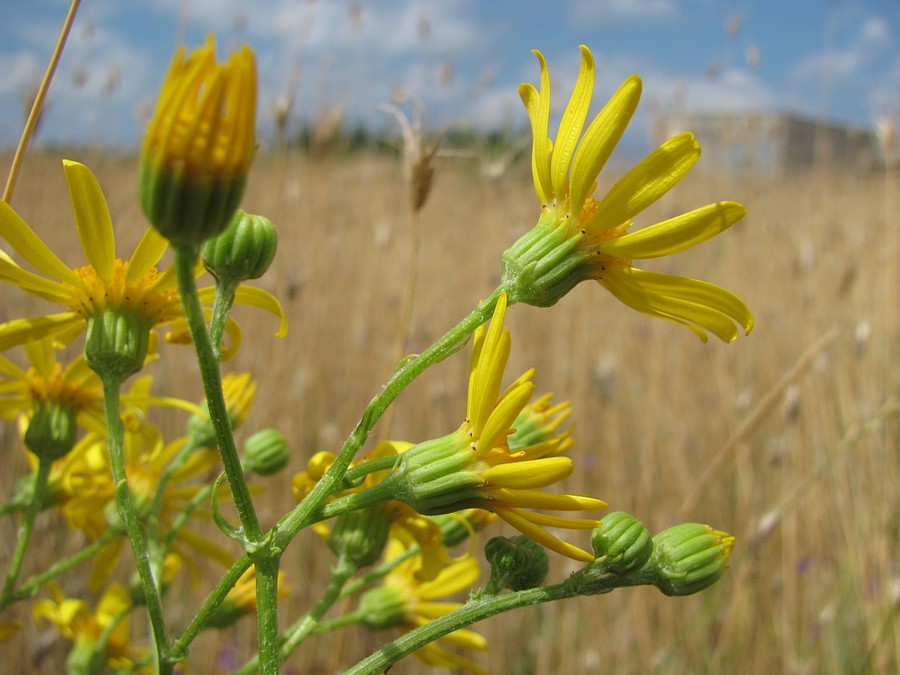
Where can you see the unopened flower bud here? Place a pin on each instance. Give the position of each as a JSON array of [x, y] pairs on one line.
[[459, 526], [622, 544], [688, 557], [266, 452], [116, 342], [244, 250], [382, 607], [359, 537], [517, 563], [51, 430]]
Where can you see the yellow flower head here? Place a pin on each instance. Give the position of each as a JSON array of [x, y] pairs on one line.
[[134, 288], [579, 237], [199, 144], [406, 600], [89, 492], [476, 465], [75, 621]]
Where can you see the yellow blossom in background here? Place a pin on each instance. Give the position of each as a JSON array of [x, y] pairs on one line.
[[476, 466], [75, 621], [406, 600], [579, 237], [199, 144], [135, 288], [89, 492]]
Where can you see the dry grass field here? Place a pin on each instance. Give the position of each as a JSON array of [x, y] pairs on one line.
[[787, 438]]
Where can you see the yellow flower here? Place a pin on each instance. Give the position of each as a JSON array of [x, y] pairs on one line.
[[89, 492], [406, 600], [74, 619], [475, 465], [578, 237], [199, 144], [135, 288]]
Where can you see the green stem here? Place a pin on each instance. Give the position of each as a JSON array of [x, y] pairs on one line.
[[478, 609], [225, 291], [11, 507], [309, 623], [452, 340], [24, 534], [116, 434], [213, 600], [264, 557], [185, 258], [30, 587], [267, 617], [378, 572]]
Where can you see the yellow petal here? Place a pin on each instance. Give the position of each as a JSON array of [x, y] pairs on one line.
[[41, 356], [11, 370], [675, 234], [19, 331], [565, 522], [601, 138], [92, 218], [30, 246], [538, 499], [249, 295], [146, 254], [647, 182], [501, 418], [32, 283], [518, 519], [571, 124], [537, 104], [528, 474], [690, 302]]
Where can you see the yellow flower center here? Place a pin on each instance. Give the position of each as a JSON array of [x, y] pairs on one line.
[[94, 295], [56, 389]]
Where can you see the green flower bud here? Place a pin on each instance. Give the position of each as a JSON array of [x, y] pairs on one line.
[[116, 343], [459, 526], [51, 430], [266, 452], [382, 607], [517, 563], [244, 250], [688, 557], [622, 544], [360, 536]]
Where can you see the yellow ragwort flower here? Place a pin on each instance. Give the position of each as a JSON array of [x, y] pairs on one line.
[[135, 288], [199, 144], [88, 491], [476, 466], [75, 621], [579, 237], [407, 601]]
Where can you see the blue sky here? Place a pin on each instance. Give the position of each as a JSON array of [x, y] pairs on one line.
[[838, 59]]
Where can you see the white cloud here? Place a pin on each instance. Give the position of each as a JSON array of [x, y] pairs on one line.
[[600, 12]]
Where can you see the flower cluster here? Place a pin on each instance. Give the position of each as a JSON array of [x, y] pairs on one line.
[[391, 517]]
